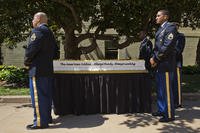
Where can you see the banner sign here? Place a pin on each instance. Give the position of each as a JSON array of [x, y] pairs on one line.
[[99, 66]]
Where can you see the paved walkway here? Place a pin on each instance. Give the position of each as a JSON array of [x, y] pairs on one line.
[[15, 116]]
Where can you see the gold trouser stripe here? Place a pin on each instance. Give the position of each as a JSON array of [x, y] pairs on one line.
[[168, 94], [179, 85], [36, 102]]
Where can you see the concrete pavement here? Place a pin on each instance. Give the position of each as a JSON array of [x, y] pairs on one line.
[[15, 116]]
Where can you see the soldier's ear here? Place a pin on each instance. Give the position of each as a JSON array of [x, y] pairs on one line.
[[166, 17], [38, 21]]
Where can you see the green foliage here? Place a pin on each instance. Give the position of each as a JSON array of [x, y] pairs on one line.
[[13, 91], [127, 17], [191, 83], [191, 69], [14, 21], [14, 75]]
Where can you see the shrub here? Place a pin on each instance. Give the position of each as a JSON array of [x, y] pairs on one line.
[[191, 69], [14, 75]]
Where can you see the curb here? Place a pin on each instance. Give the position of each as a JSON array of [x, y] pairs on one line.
[[27, 99], [15, 99]]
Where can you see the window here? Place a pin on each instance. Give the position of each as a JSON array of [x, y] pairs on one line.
[[111, 52]]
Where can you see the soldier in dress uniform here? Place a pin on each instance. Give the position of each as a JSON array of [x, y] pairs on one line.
[[164, 60], [39, 55], [180, 44]]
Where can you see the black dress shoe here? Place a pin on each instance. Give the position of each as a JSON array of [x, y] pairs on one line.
[[178, 106], [32, 127], [157, 114], [51, 121], [166, 119]]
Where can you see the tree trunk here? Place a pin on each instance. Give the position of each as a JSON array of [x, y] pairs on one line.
[[198, 54], [71, 46], [1, 56]]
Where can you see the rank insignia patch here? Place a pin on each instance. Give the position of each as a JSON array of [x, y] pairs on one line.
[[33, 37], [170, 36]]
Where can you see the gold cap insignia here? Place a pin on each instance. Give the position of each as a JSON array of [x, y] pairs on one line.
[[33, 37]]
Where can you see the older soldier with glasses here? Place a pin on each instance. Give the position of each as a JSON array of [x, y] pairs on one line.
[[39, 55]]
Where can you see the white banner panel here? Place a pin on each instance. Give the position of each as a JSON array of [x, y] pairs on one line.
[[99, 66]]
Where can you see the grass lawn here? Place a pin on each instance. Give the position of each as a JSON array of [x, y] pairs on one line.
[[190, 84], [13, 91]]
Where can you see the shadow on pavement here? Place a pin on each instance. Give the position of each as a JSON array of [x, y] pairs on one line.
[[83, 121], [184, 116], [24, 105]]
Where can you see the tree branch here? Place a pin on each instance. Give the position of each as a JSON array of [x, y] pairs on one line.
[[85, 50], [88, 35], [71, 8], [114, 38], [98, 37], [124, 44]]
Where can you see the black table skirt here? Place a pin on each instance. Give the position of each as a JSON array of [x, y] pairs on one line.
[[102, 93]]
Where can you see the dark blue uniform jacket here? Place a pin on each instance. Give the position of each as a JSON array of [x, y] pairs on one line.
[[41, 51], [180, 45], [146, 52], [164, 52]]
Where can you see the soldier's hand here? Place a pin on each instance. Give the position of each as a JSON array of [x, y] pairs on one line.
[[153, 63], [27, 67]]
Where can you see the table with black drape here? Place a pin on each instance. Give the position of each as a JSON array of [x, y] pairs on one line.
[[94, 93]]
